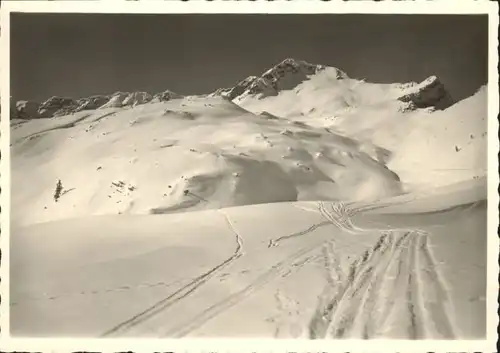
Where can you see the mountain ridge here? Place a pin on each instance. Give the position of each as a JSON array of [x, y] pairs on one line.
[[283, 76]]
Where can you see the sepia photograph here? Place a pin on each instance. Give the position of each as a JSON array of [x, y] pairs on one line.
[[314, 176]]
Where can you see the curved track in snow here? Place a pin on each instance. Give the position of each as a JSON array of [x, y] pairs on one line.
[[392, 283], [180, 294]]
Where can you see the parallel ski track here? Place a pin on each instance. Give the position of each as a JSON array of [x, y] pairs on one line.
[[180, 294], [351, 304]]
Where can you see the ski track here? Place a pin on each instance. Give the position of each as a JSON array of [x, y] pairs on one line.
[[332, 291], [437, 312], [100, 291], [355, 307], [364, 295], [357, 304], [281, 269], [180, 293], [346, 294], [399, 254], [275, 242], [415, 330]]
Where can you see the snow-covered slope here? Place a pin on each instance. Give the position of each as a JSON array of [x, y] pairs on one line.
[[446, 146], [184, 154], [295, 88], [328, 137], [299, 175], [289, 270]]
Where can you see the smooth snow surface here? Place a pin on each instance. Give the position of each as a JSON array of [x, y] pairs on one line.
[[318, 207]]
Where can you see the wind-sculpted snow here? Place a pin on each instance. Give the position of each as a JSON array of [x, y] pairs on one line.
[[242, 181]]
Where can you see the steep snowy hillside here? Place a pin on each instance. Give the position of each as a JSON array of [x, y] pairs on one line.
[[372, 194], [446, 146]]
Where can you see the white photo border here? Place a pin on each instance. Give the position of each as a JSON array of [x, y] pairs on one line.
[[8, 343]]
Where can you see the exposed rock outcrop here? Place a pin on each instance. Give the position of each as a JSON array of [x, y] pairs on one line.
[[123, 99], [116, 100], [233, 92], [91, 103], [165, 96], [57, 106], [136, 98], [284, 76], [25, 110], [429, 93]]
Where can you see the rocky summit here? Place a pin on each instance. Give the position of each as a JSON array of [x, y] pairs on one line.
[[287, 75]]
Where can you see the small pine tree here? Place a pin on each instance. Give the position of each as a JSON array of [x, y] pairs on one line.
[[57, 193]]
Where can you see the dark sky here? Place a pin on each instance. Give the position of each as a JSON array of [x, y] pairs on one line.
[[78, 55]]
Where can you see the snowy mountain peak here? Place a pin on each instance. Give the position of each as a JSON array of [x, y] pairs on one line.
[[292, 77], [294, 66], [285, 75], [235, 91]]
